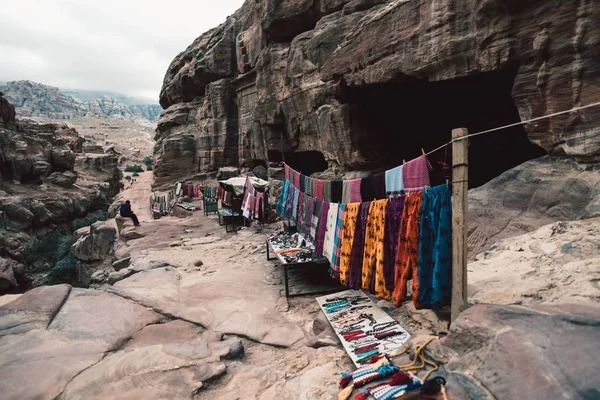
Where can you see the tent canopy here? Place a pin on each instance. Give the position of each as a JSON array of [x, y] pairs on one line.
[[239, 182]]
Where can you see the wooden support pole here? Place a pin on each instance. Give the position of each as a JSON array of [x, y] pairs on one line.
[[460, 206]]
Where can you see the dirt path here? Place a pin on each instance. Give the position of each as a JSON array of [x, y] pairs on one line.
[[139, 195]]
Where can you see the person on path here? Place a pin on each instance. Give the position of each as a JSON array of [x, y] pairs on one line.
[[126, 212]]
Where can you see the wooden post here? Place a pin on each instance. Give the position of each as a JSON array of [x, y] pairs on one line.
[[460, 189]]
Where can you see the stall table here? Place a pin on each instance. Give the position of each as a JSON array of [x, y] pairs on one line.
[[295, 252]]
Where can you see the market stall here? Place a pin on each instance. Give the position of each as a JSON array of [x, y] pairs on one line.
[[293, 250]]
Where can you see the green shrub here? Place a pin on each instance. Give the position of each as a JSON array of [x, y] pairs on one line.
[[134, 168], [135, 174], [89, 219], [149, 168], [128, 177], [54, 249], [120, 174], [148, 160]]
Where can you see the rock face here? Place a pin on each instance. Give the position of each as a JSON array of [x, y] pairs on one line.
[[7, 112], [332, 77], [510, 352], [33, 99], [529, 196], [46, 182]]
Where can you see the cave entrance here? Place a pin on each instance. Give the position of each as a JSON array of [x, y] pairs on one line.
[[307, 162], [393, 121]]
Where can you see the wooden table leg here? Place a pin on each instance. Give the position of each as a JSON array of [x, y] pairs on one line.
[[285, 279]]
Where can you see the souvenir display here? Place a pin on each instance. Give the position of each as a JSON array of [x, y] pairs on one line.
[[364, 329]]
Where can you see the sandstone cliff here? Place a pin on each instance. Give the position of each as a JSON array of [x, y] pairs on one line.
[[33, 99], [366, 83], [46, 182]]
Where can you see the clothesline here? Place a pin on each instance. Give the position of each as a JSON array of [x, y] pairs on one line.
[[511, 125]]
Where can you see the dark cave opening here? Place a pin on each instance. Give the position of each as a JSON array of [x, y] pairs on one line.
[[392, 122], [307, 162]]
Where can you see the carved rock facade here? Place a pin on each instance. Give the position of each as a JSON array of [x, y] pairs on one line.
[[357, 80]]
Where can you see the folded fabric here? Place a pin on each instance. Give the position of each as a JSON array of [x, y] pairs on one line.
[[336, 191], [327, 191], [319, 189], [367, 189], [415, 173], [393, 180], [379, 184]]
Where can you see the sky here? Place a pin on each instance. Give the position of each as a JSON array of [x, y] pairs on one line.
[[123, 46]]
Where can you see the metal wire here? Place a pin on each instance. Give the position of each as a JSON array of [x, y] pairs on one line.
[[515, 124]]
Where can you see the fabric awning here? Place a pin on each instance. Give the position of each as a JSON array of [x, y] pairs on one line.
[[239, 182]]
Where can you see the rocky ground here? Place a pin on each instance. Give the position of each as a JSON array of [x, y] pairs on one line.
[[131, 139], [199, 313]]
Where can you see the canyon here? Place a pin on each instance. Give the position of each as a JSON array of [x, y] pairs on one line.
[[180, 308]]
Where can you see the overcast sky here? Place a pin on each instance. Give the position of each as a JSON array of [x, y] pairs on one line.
[[115, 45]]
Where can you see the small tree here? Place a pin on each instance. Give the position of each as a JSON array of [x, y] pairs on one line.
[[148, 167], [135, 174], [128, 178]]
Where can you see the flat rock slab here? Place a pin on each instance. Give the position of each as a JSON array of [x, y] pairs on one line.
[[59, 332], [240, 304], [172, 360], [515, 352]]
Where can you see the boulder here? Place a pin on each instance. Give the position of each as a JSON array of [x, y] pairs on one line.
[[63, 179], [42, 168], [98, 244], [8, 282], [511, 352], [117, 276], [121, 263], [62, 159], [227, 172]]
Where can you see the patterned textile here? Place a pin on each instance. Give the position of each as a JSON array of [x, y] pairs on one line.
[[286, 170], [314, 227], [337, 240], [435, 249], [307, 185], [372, 268], [295, 204], [393, 181], [327, 191], [320, 238], [346, 192], [387, 392], [379, 184], [329, 243], [415, 173], [282, 197], [347, 239], [393, 217], [356, 259], [313, 187], [302, 183], [408, 249], [299, 220], [319, 189], [296, 176], [308, 212], [289, 202]]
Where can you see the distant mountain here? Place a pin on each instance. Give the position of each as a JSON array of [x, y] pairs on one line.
[[88, 95], [32, 99]]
